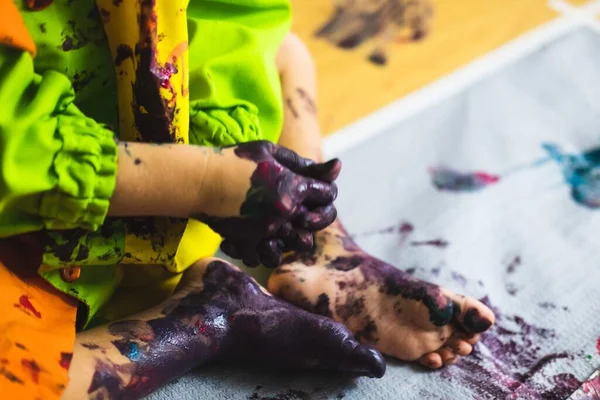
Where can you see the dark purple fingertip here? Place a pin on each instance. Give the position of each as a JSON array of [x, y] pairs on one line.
[[475, 322], [369, 361], [272, 260], [327, 172], [270, 252], [335, 167], [230, 250], [290, 159], [285, 231], [316, 220], [305, 242], [251, 259]]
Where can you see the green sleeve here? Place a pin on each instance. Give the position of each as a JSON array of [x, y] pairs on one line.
[[58, 166], [235, 92]]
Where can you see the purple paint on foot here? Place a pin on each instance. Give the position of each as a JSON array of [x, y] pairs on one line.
[[448, 180]]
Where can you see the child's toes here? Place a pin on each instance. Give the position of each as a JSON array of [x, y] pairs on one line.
[[431, 360], [472, 316], [470, 338], [459, 346], [447, 355]]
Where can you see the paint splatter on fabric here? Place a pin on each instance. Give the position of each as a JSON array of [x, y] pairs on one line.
[[508, 361], [404, 230], [589, 390], [440, 243], [445, 179], [25, 305], [581, 172]]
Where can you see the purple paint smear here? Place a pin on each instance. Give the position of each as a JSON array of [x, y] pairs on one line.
[[511, 360], [445, 179], [509, 363], [589, 390], [440, 243]]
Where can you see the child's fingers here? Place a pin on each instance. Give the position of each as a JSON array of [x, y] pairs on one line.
[[295, 239], [327, 172], [290, 159], [318, 193], [316, 219], [270, 251]]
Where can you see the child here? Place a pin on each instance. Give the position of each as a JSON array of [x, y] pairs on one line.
[[262, 198]]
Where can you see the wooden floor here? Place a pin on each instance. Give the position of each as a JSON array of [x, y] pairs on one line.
[[352, 86]]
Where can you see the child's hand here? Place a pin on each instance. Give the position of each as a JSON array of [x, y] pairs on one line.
[[270, 200]]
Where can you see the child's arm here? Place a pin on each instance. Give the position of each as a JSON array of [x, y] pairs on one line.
[[301, 130], [60, 171]]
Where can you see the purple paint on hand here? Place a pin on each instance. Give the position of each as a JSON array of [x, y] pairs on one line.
[[289, 198]]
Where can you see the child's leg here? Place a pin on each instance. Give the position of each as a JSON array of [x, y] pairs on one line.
[[402, 316], [217, 312]]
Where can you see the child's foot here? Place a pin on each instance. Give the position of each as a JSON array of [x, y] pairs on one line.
[[384, 306], [235, 319]]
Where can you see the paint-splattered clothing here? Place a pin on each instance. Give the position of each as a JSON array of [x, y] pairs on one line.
[[62, 109], [68, 131]]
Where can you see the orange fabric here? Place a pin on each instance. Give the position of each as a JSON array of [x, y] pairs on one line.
[[37, 336], [12, 28]]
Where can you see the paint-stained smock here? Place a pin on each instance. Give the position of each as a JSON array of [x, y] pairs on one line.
[[60, 114]]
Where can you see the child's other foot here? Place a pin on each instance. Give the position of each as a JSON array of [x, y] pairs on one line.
[[400, 315]]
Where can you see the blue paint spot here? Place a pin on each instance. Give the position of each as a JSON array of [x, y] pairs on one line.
[[453, 181], [134, 354], [581, 172]]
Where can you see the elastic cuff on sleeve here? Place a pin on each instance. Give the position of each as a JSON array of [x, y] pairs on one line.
[[223, 127], [85, 170]]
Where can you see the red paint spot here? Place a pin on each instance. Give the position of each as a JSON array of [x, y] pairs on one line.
[[26, 304], [487, 178], [598, 346], [406, 228], [34, 369], [65, 360], [203, 328]]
